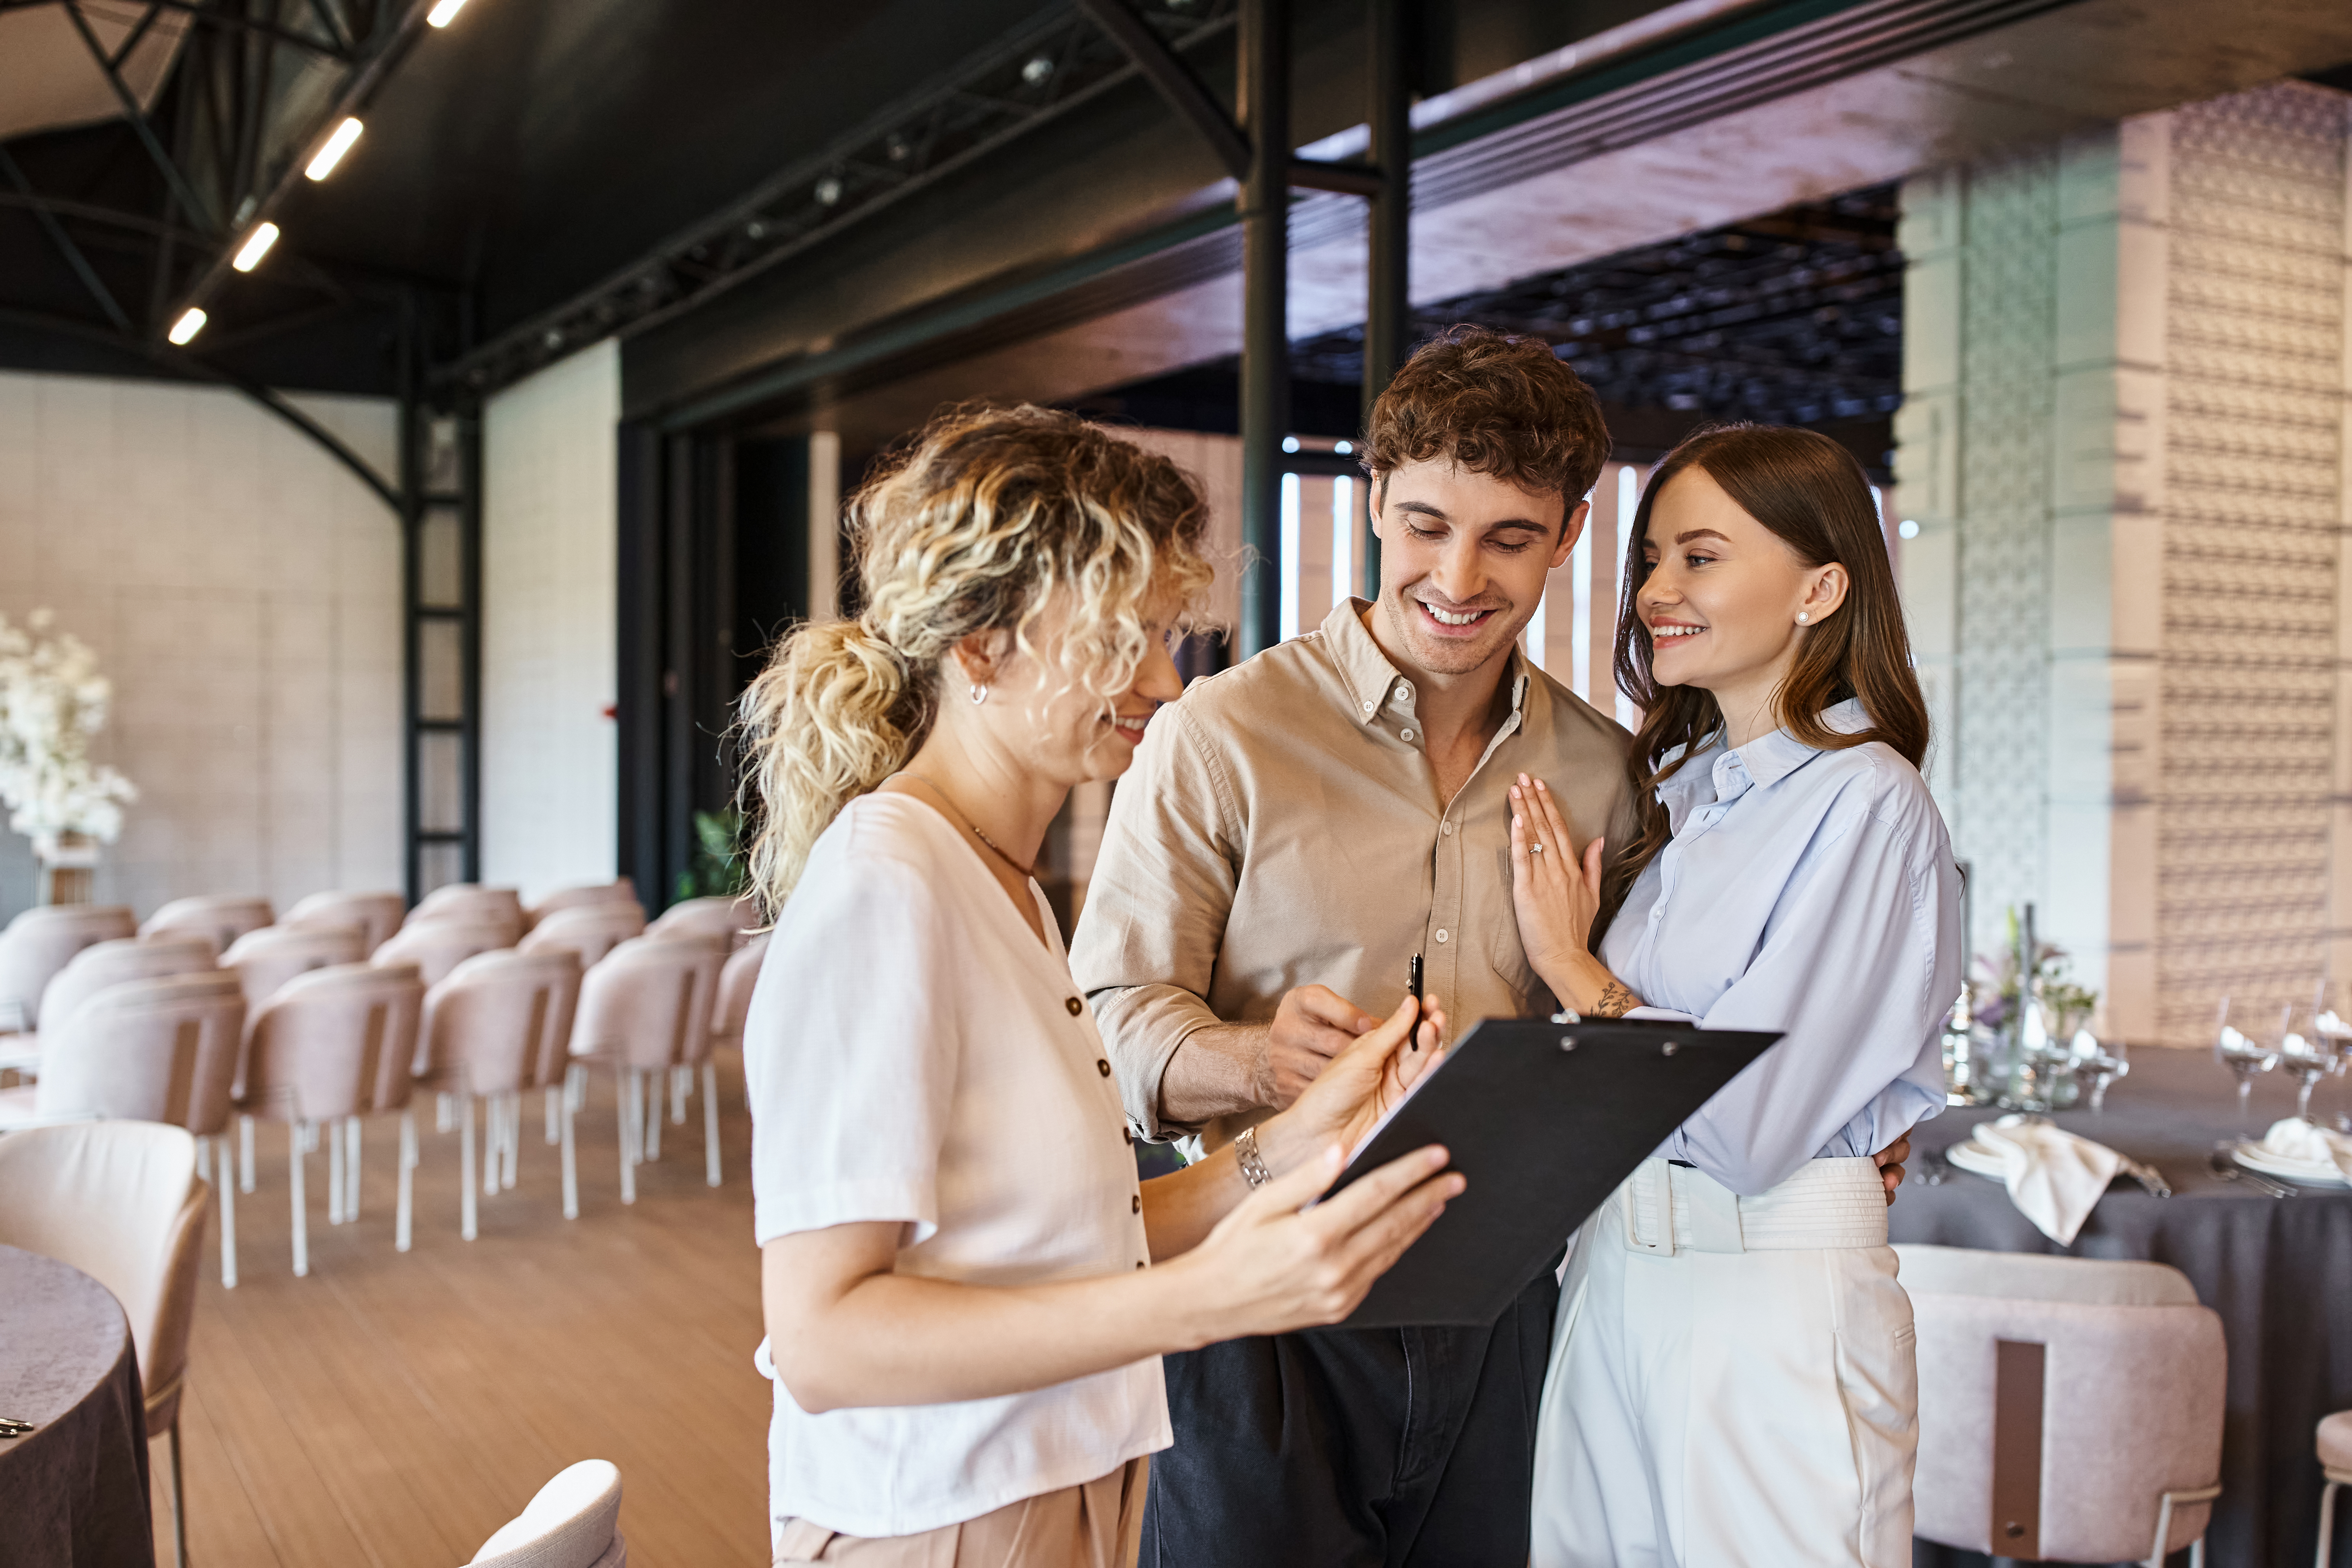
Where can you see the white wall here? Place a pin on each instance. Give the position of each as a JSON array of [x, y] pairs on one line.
[[242, 589], [550, 776]]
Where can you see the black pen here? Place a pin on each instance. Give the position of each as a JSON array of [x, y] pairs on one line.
[[1412, 984]]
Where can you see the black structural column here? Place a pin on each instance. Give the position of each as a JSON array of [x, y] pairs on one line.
[[1264, 105], [1388, 305]]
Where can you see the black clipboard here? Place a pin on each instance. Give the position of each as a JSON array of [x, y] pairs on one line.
[[1546, 1117]]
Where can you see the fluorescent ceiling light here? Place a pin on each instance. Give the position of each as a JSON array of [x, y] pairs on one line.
[[255, 247], [190, 322], [441, 14], [332, 152]]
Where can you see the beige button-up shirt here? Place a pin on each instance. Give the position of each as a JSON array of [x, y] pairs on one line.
[[1281, 826]]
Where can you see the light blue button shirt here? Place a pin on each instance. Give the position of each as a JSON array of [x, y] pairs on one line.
[[1812, 892]]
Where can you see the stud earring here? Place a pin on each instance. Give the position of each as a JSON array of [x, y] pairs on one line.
[[1802, 618], [978, 695]]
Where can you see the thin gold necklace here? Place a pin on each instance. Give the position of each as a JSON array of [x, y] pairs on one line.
[[1028, 871]]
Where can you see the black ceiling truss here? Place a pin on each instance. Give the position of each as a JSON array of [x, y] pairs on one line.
[[1039, 73], [1794, 318]]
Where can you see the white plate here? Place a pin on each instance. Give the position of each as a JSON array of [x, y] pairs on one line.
[[1970, 1155], [2255, 1157]]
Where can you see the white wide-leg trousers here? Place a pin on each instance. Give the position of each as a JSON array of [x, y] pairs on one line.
[[1733, 1385]]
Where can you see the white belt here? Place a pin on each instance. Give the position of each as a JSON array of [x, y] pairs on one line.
[[1827, 1204]]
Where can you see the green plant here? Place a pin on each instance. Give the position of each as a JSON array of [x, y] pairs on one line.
[[716, 869]]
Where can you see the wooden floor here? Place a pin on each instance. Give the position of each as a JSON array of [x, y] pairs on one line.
[[394, 1409]]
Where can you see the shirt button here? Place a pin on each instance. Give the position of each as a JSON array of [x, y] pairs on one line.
[[1103, 1066], [1074, 1004], [1440, 935], [1403, 692], [1369, 707], [1408, 734], [1447, 830], [1135, 1205]]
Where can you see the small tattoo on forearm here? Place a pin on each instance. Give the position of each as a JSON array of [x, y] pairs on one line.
[[1615, 1002]]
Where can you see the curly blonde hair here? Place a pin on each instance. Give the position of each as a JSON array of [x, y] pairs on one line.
[[977, 525]]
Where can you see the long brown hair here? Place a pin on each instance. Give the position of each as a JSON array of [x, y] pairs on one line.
[[1810, 492]]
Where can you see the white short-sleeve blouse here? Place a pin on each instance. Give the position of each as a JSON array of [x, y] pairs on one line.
[[914, 1054]]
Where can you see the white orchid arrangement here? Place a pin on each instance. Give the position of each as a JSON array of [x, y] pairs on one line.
[[52, 700]]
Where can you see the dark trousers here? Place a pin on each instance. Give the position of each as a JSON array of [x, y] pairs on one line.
[[1354, 1447]]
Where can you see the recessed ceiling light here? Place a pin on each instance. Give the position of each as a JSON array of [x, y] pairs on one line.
[[255, 247], [1290, 443], [332, 152], [190, 322], [441, 16]]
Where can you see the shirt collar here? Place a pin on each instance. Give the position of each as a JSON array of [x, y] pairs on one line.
[[1373, 682], [1715, 775]]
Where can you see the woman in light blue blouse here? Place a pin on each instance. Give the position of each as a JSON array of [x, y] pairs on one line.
[[1732, 1377]]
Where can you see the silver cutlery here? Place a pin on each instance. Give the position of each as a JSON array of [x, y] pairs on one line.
[[2229, 1169]]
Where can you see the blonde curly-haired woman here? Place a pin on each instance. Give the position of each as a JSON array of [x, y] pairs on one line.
[[962, 1324]]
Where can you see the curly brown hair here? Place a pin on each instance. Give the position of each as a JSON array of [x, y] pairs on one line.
[[1495, 404]]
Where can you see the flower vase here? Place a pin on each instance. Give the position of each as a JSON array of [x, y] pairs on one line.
[[69, 867]]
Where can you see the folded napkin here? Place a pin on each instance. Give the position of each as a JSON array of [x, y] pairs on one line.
[[2295, 1141], [2055, 1177]]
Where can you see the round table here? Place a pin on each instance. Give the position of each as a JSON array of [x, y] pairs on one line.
[[73, 1491], [2278, 1270]]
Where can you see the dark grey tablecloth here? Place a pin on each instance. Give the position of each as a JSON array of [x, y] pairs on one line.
[[75, 1491], [2279, 1272]]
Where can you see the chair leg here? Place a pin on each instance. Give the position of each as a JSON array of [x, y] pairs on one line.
[[227, 1191], [294, 1142], [554, 1134], [650, 1093], [351, 1169], [402, 1225], [466, 1201], [514, 1138], [710, 1121], [575, 1085], [334, 1174], [244, 1153], [493, 1141], [179, 1502], [681, 1084], [2327, 1523], [626, 1084], [445, 1114], [571, 1162]]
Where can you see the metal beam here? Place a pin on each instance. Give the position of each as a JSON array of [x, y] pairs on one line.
[[1174, 81], [137, 114], [208, 13], [1388, 311], [1265, 299], [113, 216], [65, 245]]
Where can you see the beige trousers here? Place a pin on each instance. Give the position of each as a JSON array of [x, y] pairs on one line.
[[1097, 1524]]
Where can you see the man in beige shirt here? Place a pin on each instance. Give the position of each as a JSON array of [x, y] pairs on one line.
[[1293, 831]]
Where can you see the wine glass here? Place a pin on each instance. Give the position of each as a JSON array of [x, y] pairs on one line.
[[2102, 1061], [2334, 1032], [2304, 1052], [2245, 1058]]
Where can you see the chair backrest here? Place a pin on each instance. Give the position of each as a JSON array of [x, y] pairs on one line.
[[335, 1042], [729, 919], [437, 946], [735, 986], [573, 1522], [222, 918], [592, 931], [378, 915], [2131, 1402], [487, 1026], [164, 1049], [41, 942], [122, 1202], [112, 962], [649, 1003], [470, 899], [267, 959], [622, 892]]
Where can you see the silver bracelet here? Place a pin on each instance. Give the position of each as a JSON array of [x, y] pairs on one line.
[[1253, 1164]]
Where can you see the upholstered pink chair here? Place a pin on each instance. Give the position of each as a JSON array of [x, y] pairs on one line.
[[486, 1034], [2110, 1370], [471, 900], [91, 971], [40, 943], [124, 1203], [437, 946], [622, 892], [591, 931], [332, 1047], [573, 1522], [222, 918], [2334, 1440], [645, 1010], [377, 915], [164, 1048], [265, 959], [732, 921]]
